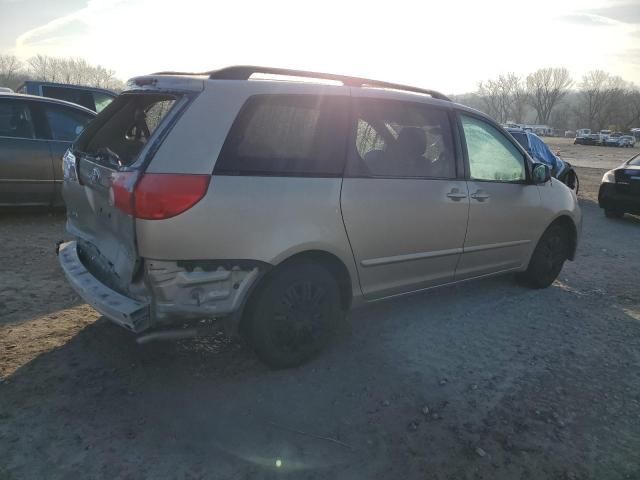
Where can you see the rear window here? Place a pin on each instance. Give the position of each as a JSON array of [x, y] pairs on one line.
[[287, 135], [123, 128]]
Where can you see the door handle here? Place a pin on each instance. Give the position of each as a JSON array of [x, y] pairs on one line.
[[480, 196], [455, 195]]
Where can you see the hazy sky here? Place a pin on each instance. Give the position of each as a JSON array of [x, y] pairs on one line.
[[447, 45]]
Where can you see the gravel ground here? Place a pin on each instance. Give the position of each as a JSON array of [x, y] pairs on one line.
[[589, 155], [487, 380]]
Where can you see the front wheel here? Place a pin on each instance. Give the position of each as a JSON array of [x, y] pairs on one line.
[[547, 259], [293, 315]]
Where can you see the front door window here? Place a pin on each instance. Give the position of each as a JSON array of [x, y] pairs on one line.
[[492, 156]]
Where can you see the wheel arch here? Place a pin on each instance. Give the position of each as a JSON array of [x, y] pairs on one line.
[[333, 264], [567, 222], [330, 261]]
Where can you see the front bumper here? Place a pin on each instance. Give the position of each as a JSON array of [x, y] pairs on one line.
[[127, 312], [610, 197]]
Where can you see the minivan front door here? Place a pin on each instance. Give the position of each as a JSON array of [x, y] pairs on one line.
[[504, 210], [405, 210]]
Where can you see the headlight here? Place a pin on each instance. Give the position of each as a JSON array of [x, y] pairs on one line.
[[609, 177]]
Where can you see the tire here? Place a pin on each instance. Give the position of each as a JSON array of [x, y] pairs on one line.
[[613, 213], [547, 259], [293, 315], [570, 179]]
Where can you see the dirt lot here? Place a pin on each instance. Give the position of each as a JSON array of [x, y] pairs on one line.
[[590, 156], [483, 381]]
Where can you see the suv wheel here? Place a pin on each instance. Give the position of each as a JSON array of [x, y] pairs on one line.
[[547, 259], [293, 315], [612, 213]]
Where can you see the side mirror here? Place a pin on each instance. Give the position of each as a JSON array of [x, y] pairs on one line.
[[541, 173], [79, 130]]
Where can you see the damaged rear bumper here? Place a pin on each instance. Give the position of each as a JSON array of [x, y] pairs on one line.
[[177, 292], [132, 314]]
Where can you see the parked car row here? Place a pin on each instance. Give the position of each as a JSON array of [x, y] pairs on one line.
[[620, 141], [604, 138]]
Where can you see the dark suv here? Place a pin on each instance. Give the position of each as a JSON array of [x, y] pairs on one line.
[[89, 97]]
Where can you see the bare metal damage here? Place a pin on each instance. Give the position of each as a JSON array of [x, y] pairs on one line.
[[195, 292]]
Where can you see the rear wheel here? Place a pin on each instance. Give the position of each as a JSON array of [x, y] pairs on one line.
[[547, 259], [293, 315], [613, 213]]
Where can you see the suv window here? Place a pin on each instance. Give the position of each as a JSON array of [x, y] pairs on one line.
[[65, 124], [491, 155], [15, 120], [402, 139], [287, 135]]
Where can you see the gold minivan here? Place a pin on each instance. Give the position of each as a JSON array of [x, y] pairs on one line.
[[275, 200]]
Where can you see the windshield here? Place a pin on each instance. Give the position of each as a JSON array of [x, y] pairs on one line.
[[635, 161]]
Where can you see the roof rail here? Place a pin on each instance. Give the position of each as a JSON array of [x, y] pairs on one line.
[[169, 72], [244, 72]]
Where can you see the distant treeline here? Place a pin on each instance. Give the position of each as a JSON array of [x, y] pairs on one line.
[[550, 96], [77, 71]]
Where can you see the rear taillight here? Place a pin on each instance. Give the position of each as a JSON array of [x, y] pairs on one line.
[[157, 195], [121, 192], [165, 195]]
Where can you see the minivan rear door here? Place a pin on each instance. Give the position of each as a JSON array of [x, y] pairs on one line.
[[404, 199], [112, 153]]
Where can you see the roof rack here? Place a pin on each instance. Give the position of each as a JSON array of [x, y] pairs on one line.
[[244, 72]]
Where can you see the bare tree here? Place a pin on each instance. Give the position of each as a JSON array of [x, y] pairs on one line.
[[545, 89], [503, 98], [519, 98], [602, 99], [489, 94], [72, 71], [561, 118], [10, 70], [630, 111]]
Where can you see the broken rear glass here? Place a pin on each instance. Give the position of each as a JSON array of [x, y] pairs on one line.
[[122, 130]]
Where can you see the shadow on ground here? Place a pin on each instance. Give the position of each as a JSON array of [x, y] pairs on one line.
[[496, 370]]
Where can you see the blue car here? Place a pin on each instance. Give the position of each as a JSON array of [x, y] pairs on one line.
[[540, 152]]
